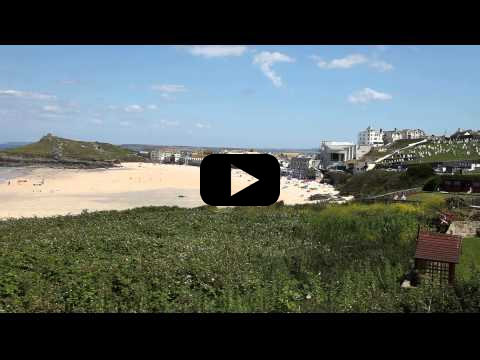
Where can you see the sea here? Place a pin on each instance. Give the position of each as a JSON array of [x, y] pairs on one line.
[[7, 173]]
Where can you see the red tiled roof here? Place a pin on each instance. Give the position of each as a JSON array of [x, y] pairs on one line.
[[438, 247]]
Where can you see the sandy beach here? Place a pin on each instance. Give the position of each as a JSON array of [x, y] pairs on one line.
[[47, 191]]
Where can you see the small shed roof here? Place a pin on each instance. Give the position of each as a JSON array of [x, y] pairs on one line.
[[438, 247]]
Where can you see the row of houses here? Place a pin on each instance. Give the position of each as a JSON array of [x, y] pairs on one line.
[[183, 158], [373, 137]]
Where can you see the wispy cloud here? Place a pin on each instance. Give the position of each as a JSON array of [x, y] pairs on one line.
[[202, 125], [61, 109], [26, 95], [167, 96], [212, 51], [169, 88], [52, 108], [265, 60], [152, 107], [133, 109], [125, 123], [166, 90], [351, 61], [346, 62], [166, 124], [381, 65], [367, 95]]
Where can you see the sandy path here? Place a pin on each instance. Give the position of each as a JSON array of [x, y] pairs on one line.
[[48, 192]]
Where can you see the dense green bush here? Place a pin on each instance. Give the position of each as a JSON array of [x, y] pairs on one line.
[[420, 171], [277, 259], [380, 181], [377, 182], [432, 184], [337, 178]]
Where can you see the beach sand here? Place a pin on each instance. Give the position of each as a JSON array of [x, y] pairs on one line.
[[47, 191]]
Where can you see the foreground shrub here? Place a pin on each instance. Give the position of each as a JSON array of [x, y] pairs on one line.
[[433, 184], [274, 259]]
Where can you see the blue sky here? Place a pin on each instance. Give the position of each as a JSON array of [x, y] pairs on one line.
[[251, 96]]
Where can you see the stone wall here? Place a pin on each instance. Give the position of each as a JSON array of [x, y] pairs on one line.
[[464, 228]]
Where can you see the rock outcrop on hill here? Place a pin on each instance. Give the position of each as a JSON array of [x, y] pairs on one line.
[[59, 152]]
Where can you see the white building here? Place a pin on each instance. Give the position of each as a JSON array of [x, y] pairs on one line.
[[405, 134], [391, 136], [361, 151], [370, 137], [159, 155], [335, 153], [413, 134]]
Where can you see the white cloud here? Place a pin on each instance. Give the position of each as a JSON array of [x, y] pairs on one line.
[[202, 125], [265, 60], [133, 109], [27, 95], [52, 108], [167, 89], [125, 123], [381, 65], [343, 63], [211, 51], [152, 107], [366, 95], [350, 61], [166, 123]]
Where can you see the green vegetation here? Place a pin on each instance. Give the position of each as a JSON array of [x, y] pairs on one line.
[[470, 259], [433, 184], [376, 152], [473, 177], [449, 156], [276, 259], [442, 151], [377, 182], [52, 147], [430, 201], [429, 197]]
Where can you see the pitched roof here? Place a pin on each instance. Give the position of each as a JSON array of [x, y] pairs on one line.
[[438, 247]]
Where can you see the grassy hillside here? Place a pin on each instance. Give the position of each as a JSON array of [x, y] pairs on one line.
[[379, 152], [441, 151], [58, 148], [377, 182], [275, 259]]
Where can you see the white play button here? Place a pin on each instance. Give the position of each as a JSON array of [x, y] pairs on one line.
[[244, 175]]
